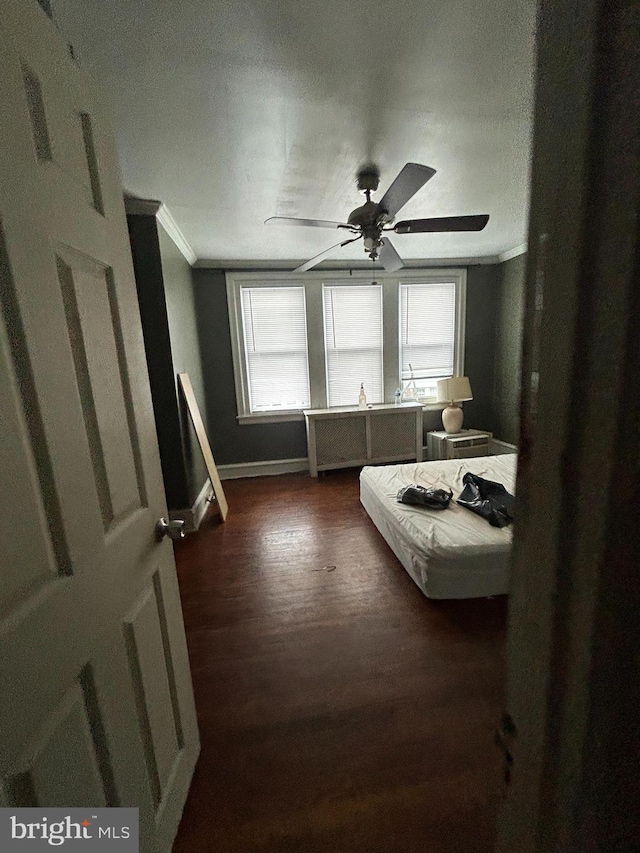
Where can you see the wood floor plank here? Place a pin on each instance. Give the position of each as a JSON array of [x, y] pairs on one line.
[[340, 710]]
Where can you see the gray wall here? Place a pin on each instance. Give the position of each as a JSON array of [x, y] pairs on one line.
[[185, 354], [509, 319], [167, 310], [232, 443], [480, 331]]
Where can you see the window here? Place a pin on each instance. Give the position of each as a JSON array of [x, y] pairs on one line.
[[275, 338], [427, 335], [309, 341], [353, 342]]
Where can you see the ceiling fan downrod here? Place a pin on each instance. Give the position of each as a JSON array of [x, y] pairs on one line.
[[368, 179]]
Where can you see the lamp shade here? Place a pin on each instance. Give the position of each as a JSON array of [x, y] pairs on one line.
[[455, 390]]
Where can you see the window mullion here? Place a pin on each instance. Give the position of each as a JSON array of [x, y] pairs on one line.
[[460, 323], [315, 344], [390, 338]]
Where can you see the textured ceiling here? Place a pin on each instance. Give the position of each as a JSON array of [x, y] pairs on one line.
[[231, 111]]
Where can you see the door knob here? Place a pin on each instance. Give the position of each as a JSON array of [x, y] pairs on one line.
[[174, 529]]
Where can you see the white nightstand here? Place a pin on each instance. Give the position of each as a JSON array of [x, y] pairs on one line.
[[459, 445]]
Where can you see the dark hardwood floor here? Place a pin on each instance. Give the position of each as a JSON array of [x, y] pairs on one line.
[[340, 710]]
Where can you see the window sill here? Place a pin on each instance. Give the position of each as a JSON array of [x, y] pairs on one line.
[[270, 417], [284, 417]]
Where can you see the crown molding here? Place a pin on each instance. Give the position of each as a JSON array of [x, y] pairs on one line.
[[326, 266], [512, 253], [135, 206], [172, 228], [152, 207]]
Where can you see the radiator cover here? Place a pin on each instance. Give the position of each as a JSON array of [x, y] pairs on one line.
[[346, 437]]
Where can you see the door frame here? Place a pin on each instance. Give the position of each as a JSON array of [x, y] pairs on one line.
[[574, 684]]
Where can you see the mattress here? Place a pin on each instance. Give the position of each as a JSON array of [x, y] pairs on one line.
[[449, 553]]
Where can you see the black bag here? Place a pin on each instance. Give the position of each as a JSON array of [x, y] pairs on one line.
[[421, 496], [488, 499]]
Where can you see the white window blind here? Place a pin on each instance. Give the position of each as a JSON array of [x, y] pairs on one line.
[[275, 336], [353, 343], [427, 334]]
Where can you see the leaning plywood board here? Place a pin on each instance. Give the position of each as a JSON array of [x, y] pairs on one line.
[[196, 417]]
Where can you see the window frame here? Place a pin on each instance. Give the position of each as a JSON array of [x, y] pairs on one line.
[[313, 282], [458, 358], [349, 283], [246, 349]]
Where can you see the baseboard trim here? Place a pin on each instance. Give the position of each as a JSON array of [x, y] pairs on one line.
[[202, 503], [273, 467], [263, 469], [193, 515]]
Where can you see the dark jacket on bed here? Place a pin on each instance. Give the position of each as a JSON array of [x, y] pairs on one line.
[[488, 499]]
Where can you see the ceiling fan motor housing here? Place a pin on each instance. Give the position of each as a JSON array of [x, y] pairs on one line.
[[369, 214]]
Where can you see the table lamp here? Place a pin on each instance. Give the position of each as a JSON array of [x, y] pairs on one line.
[[453, 391]]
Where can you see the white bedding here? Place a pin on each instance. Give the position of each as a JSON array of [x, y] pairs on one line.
[[449, 553]]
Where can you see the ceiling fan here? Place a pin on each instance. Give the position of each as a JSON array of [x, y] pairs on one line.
[[369, 221]]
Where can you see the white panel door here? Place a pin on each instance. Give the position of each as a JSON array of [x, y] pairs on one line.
[[97, 705]]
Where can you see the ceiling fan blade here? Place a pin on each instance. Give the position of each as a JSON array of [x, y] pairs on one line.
[[411, 178], [442, 223], [389, 258], [316, 260], [315, 223]]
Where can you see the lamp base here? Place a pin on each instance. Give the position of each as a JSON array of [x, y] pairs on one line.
[[452, 418]]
